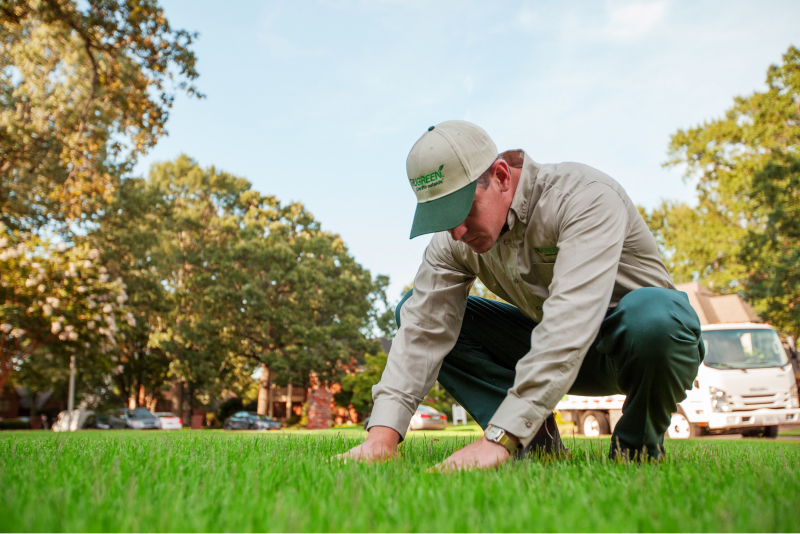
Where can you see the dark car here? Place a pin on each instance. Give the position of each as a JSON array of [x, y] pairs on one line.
[[251, 421], [99, 421], [102, 421], [137, 419]]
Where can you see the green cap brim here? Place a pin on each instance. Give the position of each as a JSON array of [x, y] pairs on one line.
[[443, 213]]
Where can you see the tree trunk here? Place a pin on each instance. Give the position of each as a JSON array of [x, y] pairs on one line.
[[289, 400], [175, 398], [263, 391], [71, 394]]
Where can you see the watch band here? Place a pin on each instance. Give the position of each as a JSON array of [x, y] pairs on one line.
[[498, 435]]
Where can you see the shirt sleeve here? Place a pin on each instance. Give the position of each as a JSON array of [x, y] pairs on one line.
[[430, 322], [592, 227]]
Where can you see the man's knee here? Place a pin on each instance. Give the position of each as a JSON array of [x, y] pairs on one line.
[[658, 318], [657, 328]]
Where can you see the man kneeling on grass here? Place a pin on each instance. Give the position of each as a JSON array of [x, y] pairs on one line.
[[594, 310]]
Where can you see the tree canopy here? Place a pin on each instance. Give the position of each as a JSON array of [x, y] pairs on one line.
[[743, 234], [83, 93], [187, 276], [225, 279]]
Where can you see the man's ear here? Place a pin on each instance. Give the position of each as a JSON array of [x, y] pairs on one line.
[[500, 170]]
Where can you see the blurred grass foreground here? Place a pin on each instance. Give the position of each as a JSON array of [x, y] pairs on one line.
[[215, 481]]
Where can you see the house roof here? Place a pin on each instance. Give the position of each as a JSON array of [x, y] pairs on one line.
[[712, 309]]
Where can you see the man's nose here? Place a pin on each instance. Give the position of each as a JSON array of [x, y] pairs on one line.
[[458, 232]]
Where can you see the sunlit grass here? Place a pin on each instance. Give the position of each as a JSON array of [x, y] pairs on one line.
[[217, 481]]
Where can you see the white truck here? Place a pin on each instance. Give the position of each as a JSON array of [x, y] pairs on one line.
[[746, 384]]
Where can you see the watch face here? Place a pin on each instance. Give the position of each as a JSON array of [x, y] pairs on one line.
[[493, 433]]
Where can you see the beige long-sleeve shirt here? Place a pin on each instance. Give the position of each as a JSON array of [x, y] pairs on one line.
[[575, 246]]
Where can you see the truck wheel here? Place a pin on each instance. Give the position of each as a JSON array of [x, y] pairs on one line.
[[594, 424], [771, 432], [681, 428]]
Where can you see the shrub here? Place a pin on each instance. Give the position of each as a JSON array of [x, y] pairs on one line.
[[229, 407], [14, 424]]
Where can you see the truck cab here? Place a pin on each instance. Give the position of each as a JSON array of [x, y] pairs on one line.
[[745, 385]]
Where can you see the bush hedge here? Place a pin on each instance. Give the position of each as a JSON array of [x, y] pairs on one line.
[[14, 424]]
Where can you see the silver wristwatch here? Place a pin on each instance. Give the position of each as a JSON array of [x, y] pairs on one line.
[[500, 436]]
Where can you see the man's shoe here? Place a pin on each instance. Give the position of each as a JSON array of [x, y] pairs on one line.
[[546, 442]]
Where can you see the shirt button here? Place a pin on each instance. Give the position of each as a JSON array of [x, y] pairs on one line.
[[528, 423], [516, 281], [505, 241]]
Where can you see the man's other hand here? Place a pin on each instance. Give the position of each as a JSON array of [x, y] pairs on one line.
[[381, 445], [483, 454]]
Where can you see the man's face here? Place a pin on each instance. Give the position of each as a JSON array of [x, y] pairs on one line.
[[487, 217]]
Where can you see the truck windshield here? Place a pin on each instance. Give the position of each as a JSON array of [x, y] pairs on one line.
[[743, 349]]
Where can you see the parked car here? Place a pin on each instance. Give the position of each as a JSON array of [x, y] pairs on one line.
[[102, 421], [169, 421], [137, 419], [251, 421], [427, 418], [78, 421]]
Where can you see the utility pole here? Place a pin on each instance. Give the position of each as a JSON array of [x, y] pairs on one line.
[[71, 394]]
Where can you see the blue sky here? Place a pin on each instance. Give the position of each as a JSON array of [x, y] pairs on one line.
[[320, 102]]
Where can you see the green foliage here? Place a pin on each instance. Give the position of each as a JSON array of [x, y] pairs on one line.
[[221, 278], [228, 408], [283, 481], [357, 387], [743, 235], [14, 424], [477, 290], [85, 89], [439, 398], [83, 93], [227, 279], [698, 244], [56, 300]]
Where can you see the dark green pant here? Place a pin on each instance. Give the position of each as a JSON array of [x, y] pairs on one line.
[[648, 348]]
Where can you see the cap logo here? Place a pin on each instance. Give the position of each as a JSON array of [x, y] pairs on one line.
[[427, 180]]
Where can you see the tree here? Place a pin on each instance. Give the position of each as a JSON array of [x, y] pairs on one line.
[[476, 290], [305, 305], [131, 231], [83, 94], [228, 280], [698, 244], [84, 91], [195, 221], [743, 236], [55, 300], [357, 387]]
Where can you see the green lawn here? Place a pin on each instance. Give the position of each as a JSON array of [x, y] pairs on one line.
[[216, 481]]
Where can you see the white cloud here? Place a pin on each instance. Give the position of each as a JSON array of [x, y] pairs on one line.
[[632, 20]]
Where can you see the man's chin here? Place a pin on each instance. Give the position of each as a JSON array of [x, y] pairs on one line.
[[480, 246]]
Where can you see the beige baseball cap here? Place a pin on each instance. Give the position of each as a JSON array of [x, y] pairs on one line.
[[443, 169]]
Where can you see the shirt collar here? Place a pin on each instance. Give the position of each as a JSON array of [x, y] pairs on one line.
[[520, 205]]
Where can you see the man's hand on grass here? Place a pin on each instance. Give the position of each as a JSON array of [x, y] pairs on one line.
[[483, 454], [381, 445]]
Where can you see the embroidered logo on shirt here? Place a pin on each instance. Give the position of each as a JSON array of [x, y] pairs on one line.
[[547, 251]]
